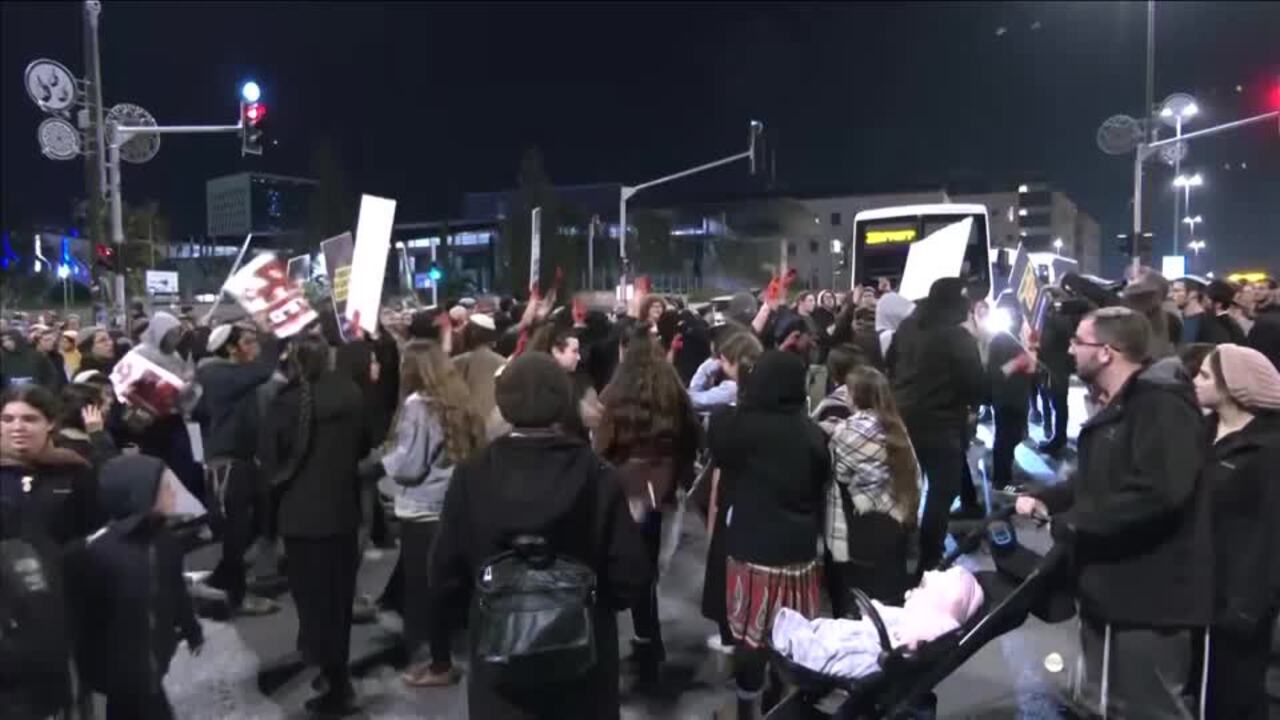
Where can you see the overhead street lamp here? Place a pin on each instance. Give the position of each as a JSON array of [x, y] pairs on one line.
[[1192, 221], [1057, 245], [1185, 182], [1197, 246], [1175, 109]]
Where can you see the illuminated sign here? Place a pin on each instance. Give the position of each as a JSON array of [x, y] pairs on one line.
[[888, 237]]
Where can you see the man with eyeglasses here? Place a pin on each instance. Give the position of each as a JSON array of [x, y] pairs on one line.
[[1142, 545]]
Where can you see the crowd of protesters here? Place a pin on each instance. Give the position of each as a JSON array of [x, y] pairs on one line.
[[826, 441]]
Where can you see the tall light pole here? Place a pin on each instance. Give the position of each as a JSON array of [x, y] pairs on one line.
[[1176, 109], [1185, 183], [628, 192]]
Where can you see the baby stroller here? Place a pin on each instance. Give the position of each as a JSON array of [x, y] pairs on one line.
[[1023, 584]]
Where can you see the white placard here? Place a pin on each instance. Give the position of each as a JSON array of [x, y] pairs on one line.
[[939, 255], [535, 246], [1173, 267], [369, 260]]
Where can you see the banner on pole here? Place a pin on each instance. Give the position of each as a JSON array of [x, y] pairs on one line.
[[263, 287], [369, 264], [535, 246]]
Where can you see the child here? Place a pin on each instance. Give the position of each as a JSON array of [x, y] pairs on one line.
[[134, 602]]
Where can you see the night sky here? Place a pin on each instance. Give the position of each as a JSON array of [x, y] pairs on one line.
[[425, 102]]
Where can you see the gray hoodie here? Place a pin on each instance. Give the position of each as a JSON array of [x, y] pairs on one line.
[[891, 310], [419, 437]]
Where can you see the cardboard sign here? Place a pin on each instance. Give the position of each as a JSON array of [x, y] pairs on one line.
[[337, 252], [369, 264], [939, 255], [299, 269], [263, 286], [140, 383]]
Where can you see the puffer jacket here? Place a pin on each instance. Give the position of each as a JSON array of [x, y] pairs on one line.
[[1143, 553]]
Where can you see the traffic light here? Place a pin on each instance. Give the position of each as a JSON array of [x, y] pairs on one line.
[[252, 126], [104, 257], [435, 274]]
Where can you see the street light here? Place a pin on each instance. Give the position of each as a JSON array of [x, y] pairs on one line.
[[1175, 109], [1197, 246], [1192, 221], [1186, 183], [1057, 245], [250, 92]]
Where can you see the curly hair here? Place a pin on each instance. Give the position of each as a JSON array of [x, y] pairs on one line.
[[645, 404], [427, 371]]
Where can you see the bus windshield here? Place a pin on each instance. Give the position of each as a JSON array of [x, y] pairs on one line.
[[883, 238]]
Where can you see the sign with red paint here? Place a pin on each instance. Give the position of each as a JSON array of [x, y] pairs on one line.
[[262, 288]]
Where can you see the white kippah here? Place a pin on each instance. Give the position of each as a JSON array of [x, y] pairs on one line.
[[484, 321], [86, 376], [218, 338]]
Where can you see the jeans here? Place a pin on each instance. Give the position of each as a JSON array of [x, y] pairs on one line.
[[644, 615], [942, 460], [1011, 428], [1056, 392], [424, 617]]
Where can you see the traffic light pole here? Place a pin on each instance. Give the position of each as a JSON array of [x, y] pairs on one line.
[[119, 136]]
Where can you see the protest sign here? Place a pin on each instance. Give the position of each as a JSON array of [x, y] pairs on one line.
[[263, 289], [939, 255], [369, 262], [141, 383]]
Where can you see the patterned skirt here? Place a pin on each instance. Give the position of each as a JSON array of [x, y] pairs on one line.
[[755, 593]]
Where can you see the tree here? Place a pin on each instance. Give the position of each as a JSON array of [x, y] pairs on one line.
[[534, 189], [331, 209]]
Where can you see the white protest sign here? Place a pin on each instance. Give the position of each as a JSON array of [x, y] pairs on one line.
[[939, 255], [369, 260], [263, 286], [535, 246], [139, 382]]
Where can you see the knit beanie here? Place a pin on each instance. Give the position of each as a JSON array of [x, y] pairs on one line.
[[534, 392], [1251, 380]]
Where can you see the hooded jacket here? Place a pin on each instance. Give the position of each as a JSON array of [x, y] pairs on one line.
[[1143, 551], [322, 498], [25, 364], [128, 586], [774, 466], [229, 402], [937, 373], [545, 484], [1241, 475], [47, 500], [891, 310]]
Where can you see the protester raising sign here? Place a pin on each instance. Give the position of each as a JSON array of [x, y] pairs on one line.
[[263, 289], [141, 383]]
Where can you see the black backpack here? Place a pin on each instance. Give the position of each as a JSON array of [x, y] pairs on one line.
[[532, 616]]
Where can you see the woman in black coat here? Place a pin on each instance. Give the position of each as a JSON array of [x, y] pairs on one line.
[[314, 437], [539, 481], [1242, 389]]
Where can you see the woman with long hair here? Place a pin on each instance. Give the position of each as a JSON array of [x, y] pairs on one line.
[[314, 436], [1240, 389], [872, 503], [649, 431], [434, 430]]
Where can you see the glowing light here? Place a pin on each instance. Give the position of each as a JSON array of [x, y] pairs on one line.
[[250, 92], [886, 237]]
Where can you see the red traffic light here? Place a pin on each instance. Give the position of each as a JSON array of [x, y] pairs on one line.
[[254, 112]]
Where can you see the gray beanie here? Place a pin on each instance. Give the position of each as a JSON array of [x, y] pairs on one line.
[[534, 392]]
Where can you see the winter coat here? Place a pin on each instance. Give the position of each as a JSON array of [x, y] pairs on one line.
[[49, 500], [937, 376], [861, 473], [322, 498], [1242, 479], [419, 438], [1265, 335], [1143, 551], [127, 586], [774, 466], [95, 447], [479, 369], [554, 486], [25, 365], [228, 402]]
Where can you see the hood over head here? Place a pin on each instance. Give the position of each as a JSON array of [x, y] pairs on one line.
[[159, 326], [775, 383], [891, 310], [127, 488]]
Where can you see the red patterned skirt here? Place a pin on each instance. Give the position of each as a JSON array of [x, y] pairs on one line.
[[755, 593]]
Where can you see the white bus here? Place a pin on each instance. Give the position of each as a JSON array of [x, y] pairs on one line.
[[883, 237]]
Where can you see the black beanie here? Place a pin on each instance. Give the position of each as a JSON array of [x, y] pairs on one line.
[[534, 392]]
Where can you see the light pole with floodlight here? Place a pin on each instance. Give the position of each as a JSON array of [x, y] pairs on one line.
[[1193, 222], [1174, 110]]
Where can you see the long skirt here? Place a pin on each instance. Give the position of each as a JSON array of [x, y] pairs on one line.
[[322, 578], [755, 594]]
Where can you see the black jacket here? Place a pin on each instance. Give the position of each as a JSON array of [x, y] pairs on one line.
[[1218, 329], [57, 505], [1242, 477], [774, 466], [1011, 391], [322, 499], [1265, 335], [1143, 552], [25, 364], [556, 487], [937, 376], [127, 585], [228, 402]]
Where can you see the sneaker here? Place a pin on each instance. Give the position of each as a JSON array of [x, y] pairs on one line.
[[421, 675], [257, 605], [363, 610], [202, 590], [714, 644]]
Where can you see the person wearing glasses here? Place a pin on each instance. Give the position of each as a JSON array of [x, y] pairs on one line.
[[1143, 548]]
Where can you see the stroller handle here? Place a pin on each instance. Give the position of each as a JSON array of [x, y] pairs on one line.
[[973, 538]]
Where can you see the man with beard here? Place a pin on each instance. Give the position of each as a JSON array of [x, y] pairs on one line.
[[1142, 552]]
